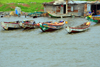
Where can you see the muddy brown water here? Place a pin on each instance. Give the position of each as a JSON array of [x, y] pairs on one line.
[[34, 48]]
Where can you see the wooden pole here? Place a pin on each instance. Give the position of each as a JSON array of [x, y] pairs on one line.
[[66, 6]]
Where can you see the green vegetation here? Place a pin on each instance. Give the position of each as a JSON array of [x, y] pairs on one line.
[[37, 1], [30, 6], [24, 1]]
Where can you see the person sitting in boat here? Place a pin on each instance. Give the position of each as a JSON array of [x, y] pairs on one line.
[[17, 21], [26, 21], [34, 22], [90, 13], [23, 21], [55, 22], [61, 21]]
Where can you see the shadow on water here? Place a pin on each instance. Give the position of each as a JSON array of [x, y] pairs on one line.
[[98, 24], [42, 32], [28, 30], [94, 24], [51, 31], [10, 29], [14, 29]]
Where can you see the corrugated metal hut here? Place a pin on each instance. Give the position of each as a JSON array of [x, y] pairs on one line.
[[94, 6], [77, 8]]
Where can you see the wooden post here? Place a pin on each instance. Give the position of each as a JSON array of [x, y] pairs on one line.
[[66, 6]]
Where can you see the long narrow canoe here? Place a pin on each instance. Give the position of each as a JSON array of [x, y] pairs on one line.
[[79, 28], [58, 15], [49, 26], [8, 25], [95, 19], [29, 24]]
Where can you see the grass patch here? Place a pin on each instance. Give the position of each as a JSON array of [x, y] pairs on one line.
[[5, 7], [24, 1], [32, 7]]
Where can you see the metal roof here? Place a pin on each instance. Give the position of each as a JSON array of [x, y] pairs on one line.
[[82, 2], [71, 2]]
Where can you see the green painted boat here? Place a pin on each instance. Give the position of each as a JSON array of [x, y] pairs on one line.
[[44, 28], [54, 16], [91, 19], [58, 15], [49, 26]]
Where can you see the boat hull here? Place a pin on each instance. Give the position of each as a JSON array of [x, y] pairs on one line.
[[58, 15], [48, 30], [50, 27], [77, 29], [28, 26], [8, 25], [70, 30], [96, 18], [54, 16], [93, 19]]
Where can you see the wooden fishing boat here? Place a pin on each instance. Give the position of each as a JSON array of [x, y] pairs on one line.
[[80, 28], [58, 15], [8, 25], [50, 26], [35, 14], [29, 24], [95, 19]]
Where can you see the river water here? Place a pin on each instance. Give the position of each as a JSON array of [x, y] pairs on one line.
[[34, 48]]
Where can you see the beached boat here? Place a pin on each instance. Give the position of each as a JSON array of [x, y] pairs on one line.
[[36, 14], [79, 28], [8, 25], [95, 18], [50, 26], [29, 24], [58, 15]]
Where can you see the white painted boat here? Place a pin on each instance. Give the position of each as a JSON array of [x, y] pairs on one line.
[[7, 25], [80, 28]]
